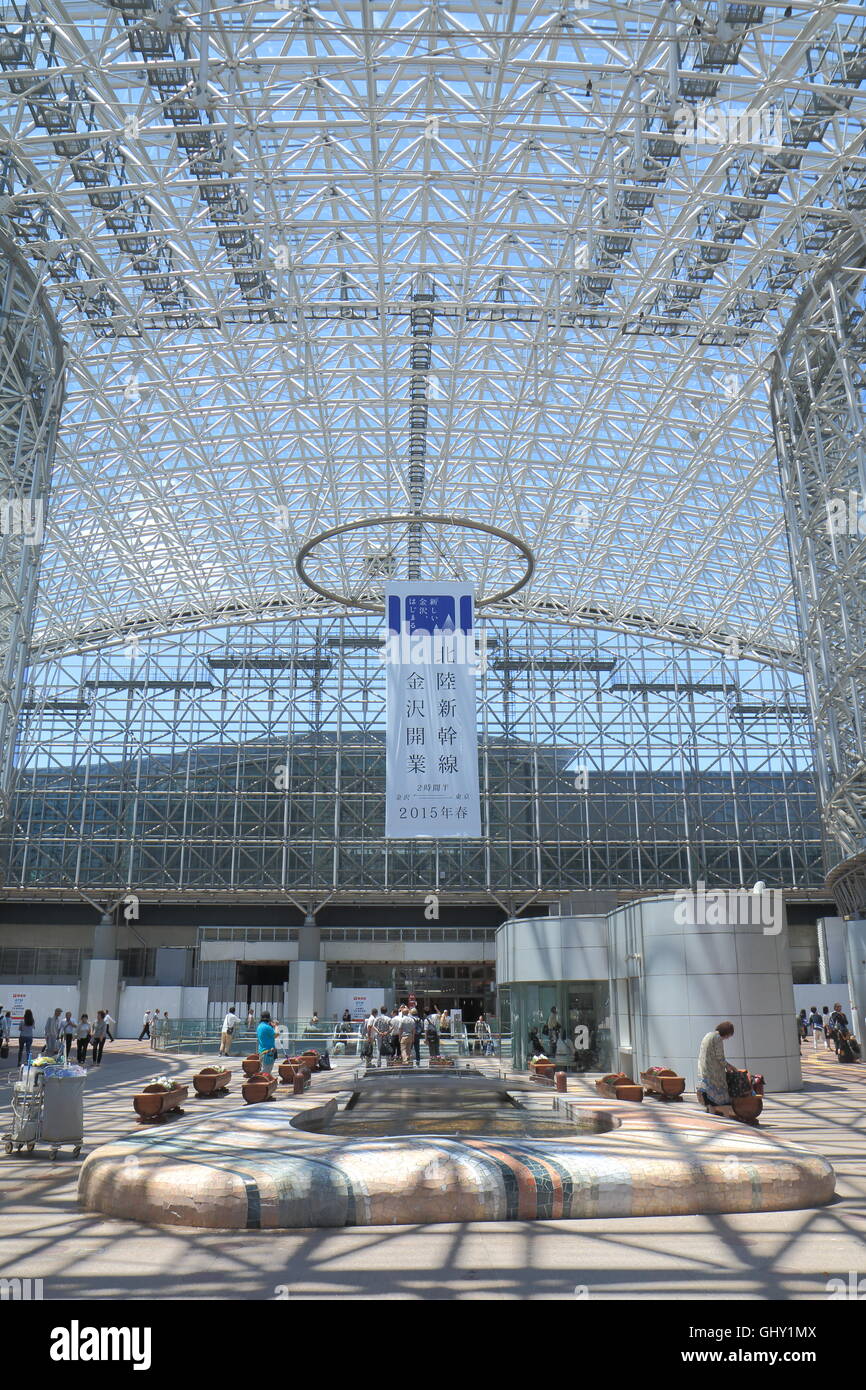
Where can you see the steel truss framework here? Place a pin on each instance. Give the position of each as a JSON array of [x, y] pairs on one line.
[[253, 761], [31, 393], [819, 391], [318, 262]]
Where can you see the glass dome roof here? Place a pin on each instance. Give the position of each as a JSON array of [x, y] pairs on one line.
[[521, 262]]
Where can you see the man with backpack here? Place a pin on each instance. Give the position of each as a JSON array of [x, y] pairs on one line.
[[417, 1019], [381, 1035]]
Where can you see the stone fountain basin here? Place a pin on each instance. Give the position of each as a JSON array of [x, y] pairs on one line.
[[252, 1167]]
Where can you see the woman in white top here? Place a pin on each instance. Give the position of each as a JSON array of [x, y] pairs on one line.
[[68, 1030], [82, 1039]]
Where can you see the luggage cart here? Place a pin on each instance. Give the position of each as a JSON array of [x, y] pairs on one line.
[[27, 1098], [47, 1108]]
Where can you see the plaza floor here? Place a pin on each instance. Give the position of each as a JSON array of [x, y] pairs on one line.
[[778, 1255]]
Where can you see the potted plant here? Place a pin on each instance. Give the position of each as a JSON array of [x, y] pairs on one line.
[[211, 1081], [251, 1064], [541, 1068], [159, 1097], [259, 1087]]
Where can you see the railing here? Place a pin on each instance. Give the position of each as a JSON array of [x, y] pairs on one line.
[[203, 1035]]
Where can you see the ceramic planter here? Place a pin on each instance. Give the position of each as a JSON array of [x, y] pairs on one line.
[[663, 1083], [251, 1064], [152, 1103], [211, 1083], [254, 1090]]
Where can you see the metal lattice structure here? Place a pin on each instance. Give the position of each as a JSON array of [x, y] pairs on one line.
[[31, 393], [819, 389], [318, 261], [252, 762]]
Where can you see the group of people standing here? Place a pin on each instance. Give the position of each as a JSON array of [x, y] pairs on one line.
[[60, 1032], [388, 1036], [154, 1024], [833, 1028]]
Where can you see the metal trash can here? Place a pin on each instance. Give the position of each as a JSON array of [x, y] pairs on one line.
[[63, 1110]]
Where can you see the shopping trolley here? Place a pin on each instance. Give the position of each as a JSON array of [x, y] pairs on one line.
[[47, 1107]]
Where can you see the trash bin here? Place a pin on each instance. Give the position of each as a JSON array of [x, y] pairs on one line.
[[63, 1110]]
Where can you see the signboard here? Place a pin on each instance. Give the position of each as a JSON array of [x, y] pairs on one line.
[[360, 1007], [18, 1005], [431, 769]]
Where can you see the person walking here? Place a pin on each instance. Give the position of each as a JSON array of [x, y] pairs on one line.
[[483, 1036], [712, 1078], [816, 1026], [230, 1023], [52, 1034], [825, 1019], [68, 1030], [98, 1035], [5, 1033], [26, 1029], [803, 1025], [267, 1043], [251, 1019], [109, 1024], [419, 1029], [554, 1029], [145, 1031], [82, 1039]]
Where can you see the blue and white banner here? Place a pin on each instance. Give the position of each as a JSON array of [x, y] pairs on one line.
[[431, 765]]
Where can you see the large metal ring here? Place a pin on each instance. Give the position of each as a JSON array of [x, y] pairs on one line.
[[405, 519]]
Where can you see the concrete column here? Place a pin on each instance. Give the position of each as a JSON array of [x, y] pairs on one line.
[[100, 977], [855, 951], [105, 939], [694, 974], [831, 950], [306, 989], [100, 987]]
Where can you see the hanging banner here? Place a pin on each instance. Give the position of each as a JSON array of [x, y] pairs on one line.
[[431, 769]]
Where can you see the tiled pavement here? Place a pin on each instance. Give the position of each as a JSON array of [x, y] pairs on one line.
[[746, 1256]]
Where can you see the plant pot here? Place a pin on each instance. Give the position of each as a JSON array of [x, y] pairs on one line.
[[251, 1064], [211, 1083], [292, 1068], [664, 1083], [619, 1087], [152, 1103], [255, 1091], [747, 1108], [541, 1069]]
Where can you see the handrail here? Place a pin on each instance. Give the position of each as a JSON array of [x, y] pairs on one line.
[[203, 1034]]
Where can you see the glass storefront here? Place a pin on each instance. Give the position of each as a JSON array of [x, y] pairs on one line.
[[578, 1034]]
